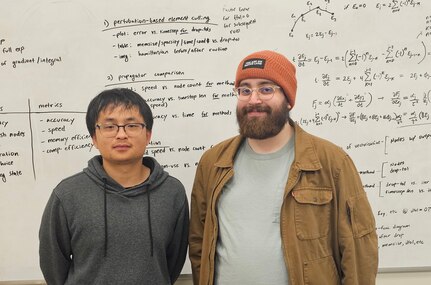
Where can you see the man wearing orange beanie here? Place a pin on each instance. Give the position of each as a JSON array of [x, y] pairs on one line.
[[276, 205]]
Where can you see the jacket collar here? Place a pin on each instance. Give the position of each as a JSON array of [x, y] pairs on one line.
[[306, 157]]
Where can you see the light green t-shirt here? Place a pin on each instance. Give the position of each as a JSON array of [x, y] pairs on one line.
[[249, 249]]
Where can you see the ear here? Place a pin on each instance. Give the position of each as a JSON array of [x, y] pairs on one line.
[[149, 133], [94, 139], [289, 106]]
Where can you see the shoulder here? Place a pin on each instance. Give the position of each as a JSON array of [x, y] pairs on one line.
[[170, 195], [324, 145], [72, 184], [318, 149], [175, 184], [316, 141], [165, 185], [225, 149], [160, 178]]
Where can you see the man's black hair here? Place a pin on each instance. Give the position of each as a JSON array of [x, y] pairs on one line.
[[115, 98]]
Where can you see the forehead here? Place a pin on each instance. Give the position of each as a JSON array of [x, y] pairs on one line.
[[120, 113], [255, 82]]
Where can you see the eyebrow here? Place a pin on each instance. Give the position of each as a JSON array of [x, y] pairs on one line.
[[129, 119]]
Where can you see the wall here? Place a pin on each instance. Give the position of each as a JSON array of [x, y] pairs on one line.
[[363, 72]]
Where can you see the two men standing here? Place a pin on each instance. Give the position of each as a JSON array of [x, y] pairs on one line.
[[274, 205]]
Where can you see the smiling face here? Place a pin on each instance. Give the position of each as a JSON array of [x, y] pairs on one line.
[[121, 149], [258, 119]]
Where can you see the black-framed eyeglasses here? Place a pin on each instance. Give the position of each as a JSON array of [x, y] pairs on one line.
[[265, 92], [111, 130]]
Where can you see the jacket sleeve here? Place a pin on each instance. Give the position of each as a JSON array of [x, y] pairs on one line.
[[54, 243], [177, 251], [197, 222], [357, 229]]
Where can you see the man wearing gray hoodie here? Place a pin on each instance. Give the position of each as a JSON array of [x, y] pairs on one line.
[[123, 219]]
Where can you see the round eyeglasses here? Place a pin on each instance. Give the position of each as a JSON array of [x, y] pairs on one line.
[[111, 130], [265, 92]]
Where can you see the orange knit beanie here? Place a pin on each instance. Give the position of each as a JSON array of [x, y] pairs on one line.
[[272, 66]]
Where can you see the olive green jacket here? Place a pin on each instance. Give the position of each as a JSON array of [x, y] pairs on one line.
[[326, 224]]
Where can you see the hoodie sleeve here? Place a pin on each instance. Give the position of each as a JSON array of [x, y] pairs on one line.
[[177, 250], [54, 243]]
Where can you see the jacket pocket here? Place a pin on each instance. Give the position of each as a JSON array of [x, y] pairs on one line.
[[312, 212], [361, 215], [321, 271]]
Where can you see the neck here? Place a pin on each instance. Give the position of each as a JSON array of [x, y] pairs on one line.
[[272, 144], [127, 175]]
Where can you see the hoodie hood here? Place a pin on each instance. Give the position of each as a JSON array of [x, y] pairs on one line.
[[97, 173]]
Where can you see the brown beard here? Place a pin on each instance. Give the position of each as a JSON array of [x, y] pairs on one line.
[[262, 128]]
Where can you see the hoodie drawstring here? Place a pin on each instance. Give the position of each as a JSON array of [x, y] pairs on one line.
[[149, 221], [150, 229], [106, 217]]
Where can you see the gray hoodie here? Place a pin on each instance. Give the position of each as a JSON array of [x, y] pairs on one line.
[[94, 231]]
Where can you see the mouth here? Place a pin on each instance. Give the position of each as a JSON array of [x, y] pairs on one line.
[[121, 147], [256, 111], [256, 114]]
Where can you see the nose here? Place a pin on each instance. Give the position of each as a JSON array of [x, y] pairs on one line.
[[121, 132], [254, 97]]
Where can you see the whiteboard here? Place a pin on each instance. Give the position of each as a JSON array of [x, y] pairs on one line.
[[364, 82]]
